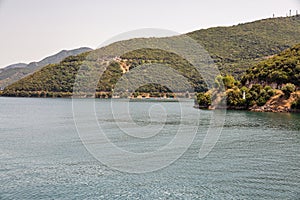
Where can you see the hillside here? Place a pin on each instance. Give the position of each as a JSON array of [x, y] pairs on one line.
[[272, 85], [279, 69], [234, 49], [15, 72]]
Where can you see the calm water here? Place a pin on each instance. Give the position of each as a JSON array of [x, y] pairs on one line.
[[42, 156]]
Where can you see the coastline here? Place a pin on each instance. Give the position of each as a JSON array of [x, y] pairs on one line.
[[274, 105], [277, 104], [276, 110]]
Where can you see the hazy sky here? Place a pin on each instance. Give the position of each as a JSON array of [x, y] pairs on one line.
[[34, 29]]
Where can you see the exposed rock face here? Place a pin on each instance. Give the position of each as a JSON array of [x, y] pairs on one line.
[[278, 103]]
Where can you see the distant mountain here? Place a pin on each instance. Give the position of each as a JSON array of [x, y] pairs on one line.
[[15, 72], [234, 49], [13, 66], [18, 65], [58, 57]]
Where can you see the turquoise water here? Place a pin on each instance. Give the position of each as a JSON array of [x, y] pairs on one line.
[[42, 156]]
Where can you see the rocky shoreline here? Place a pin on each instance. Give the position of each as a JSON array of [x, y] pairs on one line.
[[277, 104]]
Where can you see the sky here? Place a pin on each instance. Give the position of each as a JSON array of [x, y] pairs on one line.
[[34, 29]]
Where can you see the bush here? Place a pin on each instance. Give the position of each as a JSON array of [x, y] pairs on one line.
[[254, 95], [23, 94], [34, 94], [49, 94], [204, 99], [43, 94], [288, 89], [256, 88], [270, 91], [234, 97], [261, 101], [296, 104]]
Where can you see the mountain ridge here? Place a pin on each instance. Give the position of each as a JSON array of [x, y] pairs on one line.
[[15, 65], [15, 72]]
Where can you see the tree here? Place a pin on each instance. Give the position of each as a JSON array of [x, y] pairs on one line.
[[234, 97], [228, 81]]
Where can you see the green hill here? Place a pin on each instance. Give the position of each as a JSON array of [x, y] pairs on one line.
[[279, 69], [234, 49]]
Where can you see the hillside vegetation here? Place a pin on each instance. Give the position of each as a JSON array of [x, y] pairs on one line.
[[234, 49], [280, 69], [272, 85]]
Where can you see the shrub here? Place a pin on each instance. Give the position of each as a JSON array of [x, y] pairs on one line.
[[23, 94], [34, 94], [228, 81], [204, 99], [43, 94], [254, 95], [270, 91], [296, 104], [261, 101], [256, 88], [251, 103], [288, 89], [234, 97], [49, 94]]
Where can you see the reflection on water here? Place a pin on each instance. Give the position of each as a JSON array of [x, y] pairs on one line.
[[42, 157]]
